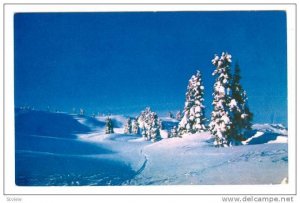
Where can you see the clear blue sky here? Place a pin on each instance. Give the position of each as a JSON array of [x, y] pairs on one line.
[[122, 62]]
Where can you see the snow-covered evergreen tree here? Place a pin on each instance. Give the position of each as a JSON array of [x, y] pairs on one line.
[[128, 127], [220, 125], [109, 129], [135, 126], [241, 115], [193, 119], [150, 125], [142, 122], [155, 127]]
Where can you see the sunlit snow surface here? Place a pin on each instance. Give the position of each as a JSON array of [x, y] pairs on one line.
[[55, 149]]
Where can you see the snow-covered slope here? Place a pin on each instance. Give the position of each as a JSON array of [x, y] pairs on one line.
[[267, 133], [62, 149], [192, 160]]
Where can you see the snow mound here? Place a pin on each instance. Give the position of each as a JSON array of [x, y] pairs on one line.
[[199, 139], [48, 152], [164, 134], [49, 124], [90, 122]]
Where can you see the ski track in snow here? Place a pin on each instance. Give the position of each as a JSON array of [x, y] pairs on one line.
[[144, 164]]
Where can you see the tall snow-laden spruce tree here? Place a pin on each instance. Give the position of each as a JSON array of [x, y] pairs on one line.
[[193, 119], [241, 115], [109, 129], [221, 122], [149, 124]]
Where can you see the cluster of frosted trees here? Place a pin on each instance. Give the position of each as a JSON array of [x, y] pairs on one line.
[[148, 124], [131, 126], [230, 117]]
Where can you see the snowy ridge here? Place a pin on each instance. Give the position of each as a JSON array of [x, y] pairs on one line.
[[274, 128], [267, 133], [84, 155]]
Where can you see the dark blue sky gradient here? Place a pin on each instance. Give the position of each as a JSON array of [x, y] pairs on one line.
[[122, 62]]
